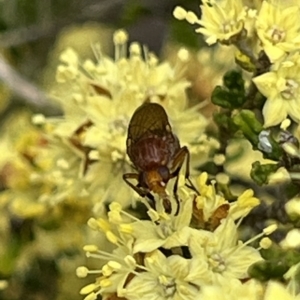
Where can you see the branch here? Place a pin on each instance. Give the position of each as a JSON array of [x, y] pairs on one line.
[[24, 89]]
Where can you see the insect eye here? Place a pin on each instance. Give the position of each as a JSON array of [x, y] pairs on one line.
[[164, 173]]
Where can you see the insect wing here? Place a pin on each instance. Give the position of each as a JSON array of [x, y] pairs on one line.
[[148, 118]]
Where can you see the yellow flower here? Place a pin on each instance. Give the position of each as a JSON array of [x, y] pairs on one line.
[[116, 264], [291, 240], [278, 28], [168, 231], [165, 278], [244, 204], [165, 257], [211, 207], [3, 284], [233, 290], [281, 86], [99, 97], [292, 207], [221, 20], [276, 290], [227, 257]]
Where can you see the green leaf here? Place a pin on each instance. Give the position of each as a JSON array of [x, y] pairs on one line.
[[266, 270], [9, 257], [277, 263], [244, 61], [224, 121], [232, 94], [246, 121], [234, 81], [260, 173], [292, 189]]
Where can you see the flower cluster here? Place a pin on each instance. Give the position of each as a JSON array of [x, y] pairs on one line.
[[174, 256], [269, 27], [281, 87], [88, 144]]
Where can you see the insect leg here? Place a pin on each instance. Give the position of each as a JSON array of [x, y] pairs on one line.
[[142, 192], [176, 167], [181, 155]]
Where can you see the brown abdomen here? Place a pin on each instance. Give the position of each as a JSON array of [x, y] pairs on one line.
[[152, 152]]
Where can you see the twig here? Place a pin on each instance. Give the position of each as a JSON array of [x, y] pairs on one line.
[[24, 89], [19, 36]]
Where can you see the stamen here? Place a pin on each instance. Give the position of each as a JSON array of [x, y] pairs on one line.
[[103, 255], [285, 124], [130, 261], [191, 18], [135, 49], [114, 265], [82, 272], [265, 243], [91, 296], [105, 282], [96, 48], [112, 238], [270, 229], [179, 13], [90, 248], [107, 270], [120, 39], [88, 289], [266, 231]]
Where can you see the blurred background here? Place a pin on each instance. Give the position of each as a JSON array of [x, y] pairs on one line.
[[33, 33]]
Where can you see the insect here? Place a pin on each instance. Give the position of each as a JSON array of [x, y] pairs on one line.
[[155, 153]]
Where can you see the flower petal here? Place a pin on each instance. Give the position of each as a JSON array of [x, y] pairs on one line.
[[274, 112], [265, 83]]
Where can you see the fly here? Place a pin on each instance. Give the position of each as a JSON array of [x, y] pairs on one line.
[[155, 153]]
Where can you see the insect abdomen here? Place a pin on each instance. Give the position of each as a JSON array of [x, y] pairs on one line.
[[150, 153]]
